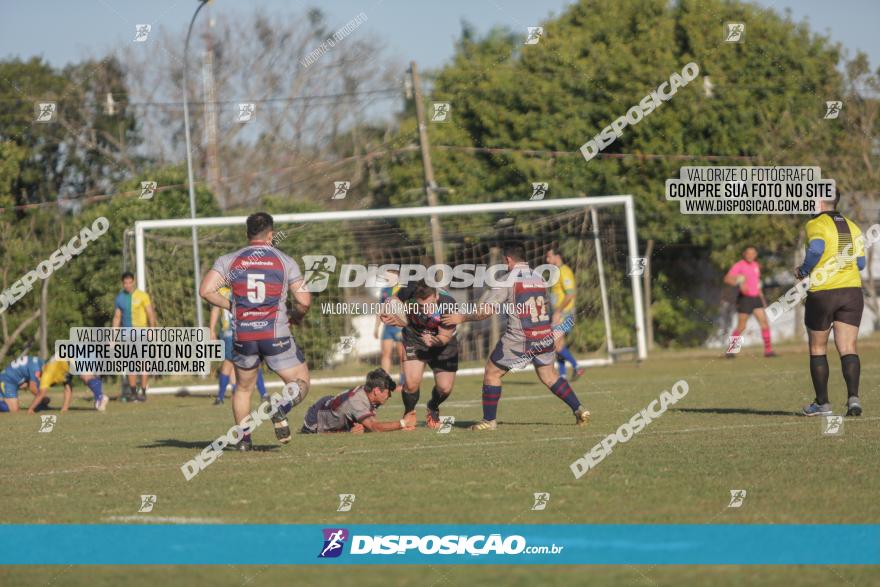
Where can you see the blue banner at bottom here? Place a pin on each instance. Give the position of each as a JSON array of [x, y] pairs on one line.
[[356, 544]]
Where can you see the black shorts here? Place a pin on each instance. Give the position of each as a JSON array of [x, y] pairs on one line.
[[443, 358], [844, 304], [748, 304]]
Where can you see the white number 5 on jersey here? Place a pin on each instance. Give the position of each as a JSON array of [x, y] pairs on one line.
[[256, 289]]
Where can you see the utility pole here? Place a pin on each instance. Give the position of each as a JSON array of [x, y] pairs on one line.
[[430, 184], [197, 272], [211, 161]]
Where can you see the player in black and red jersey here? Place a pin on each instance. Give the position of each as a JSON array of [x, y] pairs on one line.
[[426, 341]]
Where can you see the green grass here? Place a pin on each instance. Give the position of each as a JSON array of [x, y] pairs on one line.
[[736, 429]]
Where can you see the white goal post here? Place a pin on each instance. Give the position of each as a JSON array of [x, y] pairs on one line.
[[626, 201]]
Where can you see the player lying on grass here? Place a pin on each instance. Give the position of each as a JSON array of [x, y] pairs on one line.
[[529, 337], [24, 370], [426, 341], [354, 410], [261, 278], [56, 372]]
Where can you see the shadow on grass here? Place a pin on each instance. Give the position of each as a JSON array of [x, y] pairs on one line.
[[745, 411], [199, 445], [469, 423]]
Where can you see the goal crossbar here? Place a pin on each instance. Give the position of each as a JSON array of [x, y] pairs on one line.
[[141, 226]]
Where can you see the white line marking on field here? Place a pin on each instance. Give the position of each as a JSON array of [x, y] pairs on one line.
[[164, 520], [334, 451]]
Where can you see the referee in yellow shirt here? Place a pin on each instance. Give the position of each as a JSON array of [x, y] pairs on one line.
[[562, 300], [835, 255]]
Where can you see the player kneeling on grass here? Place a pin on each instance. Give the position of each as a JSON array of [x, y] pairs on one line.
[[56, 372], [355, 410], [426, 341], [529, 337], [25, 370]]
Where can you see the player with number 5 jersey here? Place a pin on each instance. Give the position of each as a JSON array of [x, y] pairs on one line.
[[261, 278], [528, 339]]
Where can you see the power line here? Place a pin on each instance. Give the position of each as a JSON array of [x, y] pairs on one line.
[[124, 103], [385, 152]]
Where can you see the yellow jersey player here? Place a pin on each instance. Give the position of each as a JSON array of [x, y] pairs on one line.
[[562, 300], [835, 255], [57, 372], [134, 309]]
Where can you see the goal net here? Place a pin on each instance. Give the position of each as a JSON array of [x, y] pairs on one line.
[[596, 237]]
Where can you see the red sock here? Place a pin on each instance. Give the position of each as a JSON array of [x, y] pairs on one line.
[[735, 333], [765, 334]]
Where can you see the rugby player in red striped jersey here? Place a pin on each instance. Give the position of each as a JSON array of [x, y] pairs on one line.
[[261, 278]]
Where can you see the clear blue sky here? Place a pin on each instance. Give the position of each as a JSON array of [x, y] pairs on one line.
[[64, 31]]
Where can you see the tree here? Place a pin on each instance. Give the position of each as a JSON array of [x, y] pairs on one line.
[[594, 62]]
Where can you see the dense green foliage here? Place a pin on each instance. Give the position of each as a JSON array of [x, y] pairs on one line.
[[597, 60], [536, 103]]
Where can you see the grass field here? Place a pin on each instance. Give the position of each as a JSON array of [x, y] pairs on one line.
[[736, 429]]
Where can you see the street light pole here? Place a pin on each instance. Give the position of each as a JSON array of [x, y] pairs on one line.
[[189, 168]]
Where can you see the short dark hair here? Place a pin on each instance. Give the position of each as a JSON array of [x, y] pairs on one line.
[[555, 248], [423, 290], [515, 250], [258, 224], [127, 275], [379, 378]]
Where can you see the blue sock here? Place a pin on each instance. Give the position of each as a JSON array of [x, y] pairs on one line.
[[401, 379], [3, 406], [563, 391], [566, 354], [261, 385], [224, 381], [95, 385], [560, 362], [491, 397]]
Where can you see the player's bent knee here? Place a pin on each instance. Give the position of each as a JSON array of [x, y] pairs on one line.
[[295, 391]]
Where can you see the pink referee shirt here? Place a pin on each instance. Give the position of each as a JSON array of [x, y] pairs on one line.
[[752, 273]]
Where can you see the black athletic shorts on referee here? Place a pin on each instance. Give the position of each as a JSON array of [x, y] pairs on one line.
[[748, 304], [844, 304]]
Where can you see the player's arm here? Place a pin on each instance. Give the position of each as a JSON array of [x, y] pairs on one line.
[[68, 396], [486, 308], [557, 313], [151, 315], [117, 318], [208, 290], [40, 389], [302, 301], [815, 250], [393, 318], [733, 277], [372, 425], [442, 338]]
